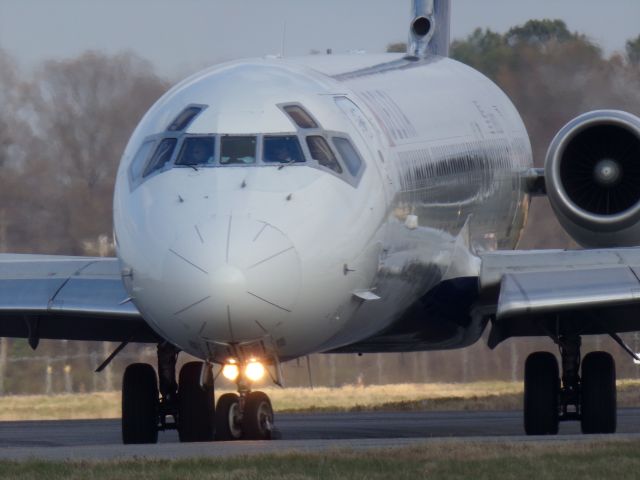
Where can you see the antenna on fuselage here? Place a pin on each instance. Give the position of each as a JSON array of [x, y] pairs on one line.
[[429, 31]]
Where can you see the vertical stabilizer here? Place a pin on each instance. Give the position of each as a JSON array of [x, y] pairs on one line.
[[429, 31]]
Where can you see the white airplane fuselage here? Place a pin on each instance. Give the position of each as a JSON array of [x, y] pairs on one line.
[[309, 257]]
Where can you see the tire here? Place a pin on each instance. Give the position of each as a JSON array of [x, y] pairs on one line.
[[196, 410], [598, 393], [257, 421], [228, 425], [140, 404], [541, 394]]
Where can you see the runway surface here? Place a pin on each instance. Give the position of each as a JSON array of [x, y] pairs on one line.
[[100, 439]]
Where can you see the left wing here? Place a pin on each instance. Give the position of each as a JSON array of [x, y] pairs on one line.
[[73, 298], [522, 293], [554, 292]]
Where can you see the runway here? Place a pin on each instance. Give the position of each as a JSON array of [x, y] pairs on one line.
[[100, 439]]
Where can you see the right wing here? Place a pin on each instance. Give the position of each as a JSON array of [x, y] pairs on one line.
[[72, 298]]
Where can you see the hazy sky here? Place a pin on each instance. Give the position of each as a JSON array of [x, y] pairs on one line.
[[179, 37]]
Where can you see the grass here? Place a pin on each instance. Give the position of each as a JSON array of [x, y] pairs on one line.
[[435, 460], [433, 396]]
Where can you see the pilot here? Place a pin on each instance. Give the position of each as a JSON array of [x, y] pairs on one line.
[[199, 153], [282, 154]]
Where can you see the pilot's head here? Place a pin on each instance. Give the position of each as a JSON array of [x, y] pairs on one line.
[[200, 151], [282, 154]]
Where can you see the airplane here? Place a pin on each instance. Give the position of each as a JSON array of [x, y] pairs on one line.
[[271, 208]]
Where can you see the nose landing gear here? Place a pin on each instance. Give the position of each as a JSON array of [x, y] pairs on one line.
[[228, 417], [248, 414]]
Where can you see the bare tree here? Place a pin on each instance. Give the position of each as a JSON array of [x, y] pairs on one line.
[[85, 110]]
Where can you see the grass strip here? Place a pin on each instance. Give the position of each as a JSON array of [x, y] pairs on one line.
[[401, 397], [450, 460]]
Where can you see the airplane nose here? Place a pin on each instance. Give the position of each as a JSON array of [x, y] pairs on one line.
[[231, 278], [228, 281]]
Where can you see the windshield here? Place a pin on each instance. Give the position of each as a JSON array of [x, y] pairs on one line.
[[197, 151], [282, 149], [161, 156], [238, 150], [321, 151]]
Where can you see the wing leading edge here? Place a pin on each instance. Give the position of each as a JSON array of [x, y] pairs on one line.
[[73, 298], [557, 292]]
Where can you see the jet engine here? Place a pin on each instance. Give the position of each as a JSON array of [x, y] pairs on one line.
[[592, 177]]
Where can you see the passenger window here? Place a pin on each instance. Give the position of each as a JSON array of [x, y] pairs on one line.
[[197, 151], [321, 151], [161, 156], [349, 155], [284, 149], [238, 150], [300, 116], [139, 161], [184, 118]]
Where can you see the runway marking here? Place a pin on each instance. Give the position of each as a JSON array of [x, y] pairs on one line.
[[100, 439]]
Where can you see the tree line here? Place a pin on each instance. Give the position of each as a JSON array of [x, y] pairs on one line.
[[64, 127]]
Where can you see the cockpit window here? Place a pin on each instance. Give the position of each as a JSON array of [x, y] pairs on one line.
[[321, 151], [197, 151], [238, 150], [349, 155], [139, 161], [282, 149], [300, 116], [161, 156], [184, 118]]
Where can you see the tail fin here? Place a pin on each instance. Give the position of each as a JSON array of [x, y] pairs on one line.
[[429, 32]]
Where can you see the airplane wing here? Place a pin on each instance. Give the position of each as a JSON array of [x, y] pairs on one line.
[[73, 298], [531, 293], [522, 293]]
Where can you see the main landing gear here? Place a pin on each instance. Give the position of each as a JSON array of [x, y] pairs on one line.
[[149, 402], [589, 397]]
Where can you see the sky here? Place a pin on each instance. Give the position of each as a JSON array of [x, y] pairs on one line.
[[181, 37]]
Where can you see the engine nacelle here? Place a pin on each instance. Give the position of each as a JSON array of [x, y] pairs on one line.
[[592, 176]]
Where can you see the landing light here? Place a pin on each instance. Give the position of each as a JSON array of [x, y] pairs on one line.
[[230, 371], [254, 370]]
